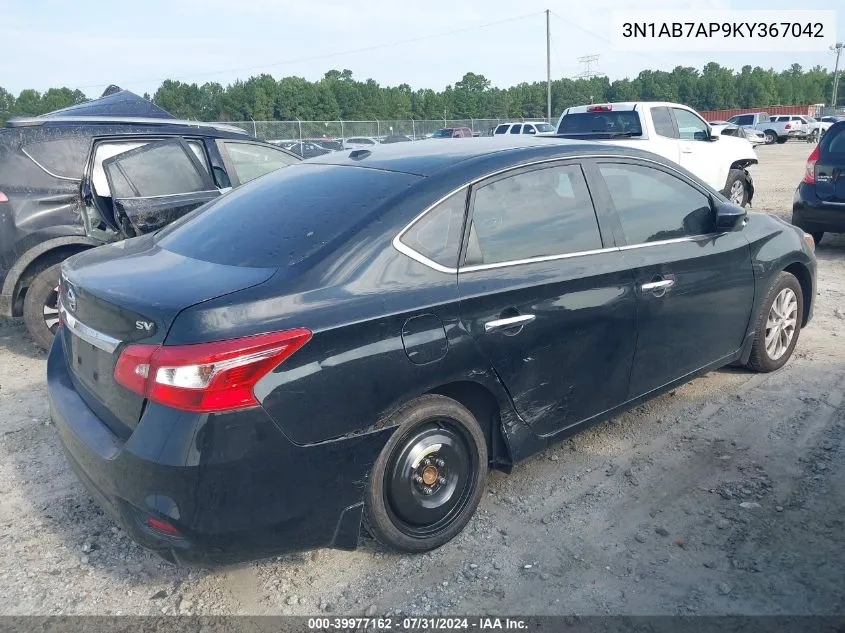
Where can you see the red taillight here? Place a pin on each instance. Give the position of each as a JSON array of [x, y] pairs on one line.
[[787, 126], [3, 197], [206, 377], [810, 167], [600, 108]]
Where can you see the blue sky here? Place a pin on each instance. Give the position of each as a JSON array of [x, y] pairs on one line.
[[136, 45]]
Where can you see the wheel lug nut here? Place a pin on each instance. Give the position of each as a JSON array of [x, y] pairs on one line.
[[427, 461], [440, 463], [441, 480], [418, 479], [428, 490]]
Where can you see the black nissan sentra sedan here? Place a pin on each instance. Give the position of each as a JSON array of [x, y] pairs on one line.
[[357, 340]]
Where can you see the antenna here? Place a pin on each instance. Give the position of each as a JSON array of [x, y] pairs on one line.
[[587, 62]]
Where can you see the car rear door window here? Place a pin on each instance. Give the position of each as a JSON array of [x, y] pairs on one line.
[[516, 129], [157, 169], [654, 205], [536, 213], [437, 235], [663, 124], [249, 161]]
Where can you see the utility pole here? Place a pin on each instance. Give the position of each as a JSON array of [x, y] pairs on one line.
[[838, 48], [549, 68]]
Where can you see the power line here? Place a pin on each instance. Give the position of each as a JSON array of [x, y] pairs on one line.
[[603, 38], [330, 55]]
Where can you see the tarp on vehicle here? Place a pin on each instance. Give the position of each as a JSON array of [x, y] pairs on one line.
[[117, 104]]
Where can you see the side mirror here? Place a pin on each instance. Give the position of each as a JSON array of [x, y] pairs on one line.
[[729, 216]]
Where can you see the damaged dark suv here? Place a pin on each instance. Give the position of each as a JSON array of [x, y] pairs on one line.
[[99, 172]]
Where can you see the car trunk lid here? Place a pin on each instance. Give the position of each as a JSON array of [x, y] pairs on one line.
[[104, 310]]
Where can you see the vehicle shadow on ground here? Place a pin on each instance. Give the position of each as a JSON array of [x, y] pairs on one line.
[[14, 338]]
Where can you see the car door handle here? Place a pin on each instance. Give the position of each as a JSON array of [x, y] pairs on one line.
[[510, 322], [656, 286]]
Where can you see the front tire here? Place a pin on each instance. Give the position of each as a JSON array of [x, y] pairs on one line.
[[429, 478], [41, 306], [736, 188], [778, 325]]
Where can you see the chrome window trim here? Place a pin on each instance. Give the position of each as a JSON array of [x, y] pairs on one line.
[[422, 259], [47, 171], [534, 260], [88, 334]]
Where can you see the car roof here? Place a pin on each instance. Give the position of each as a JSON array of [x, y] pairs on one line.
[[428, 158], [70, 121]]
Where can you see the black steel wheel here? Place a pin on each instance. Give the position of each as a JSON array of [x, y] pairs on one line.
[[429, 478]]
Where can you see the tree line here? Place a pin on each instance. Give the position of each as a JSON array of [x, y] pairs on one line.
[[338, 95]]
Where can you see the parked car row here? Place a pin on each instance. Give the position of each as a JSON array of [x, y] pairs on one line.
[[781, 128]]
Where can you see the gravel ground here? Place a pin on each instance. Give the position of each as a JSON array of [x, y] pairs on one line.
[[726, 496]]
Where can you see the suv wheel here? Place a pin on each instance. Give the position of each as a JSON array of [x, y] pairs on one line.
[[429, 477], [41, 306], [771, 137], [778, 325]]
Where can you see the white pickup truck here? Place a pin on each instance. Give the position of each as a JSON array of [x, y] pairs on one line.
[[673, 131]]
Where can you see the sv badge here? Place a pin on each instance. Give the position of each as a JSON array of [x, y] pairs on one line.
[[144, 325]]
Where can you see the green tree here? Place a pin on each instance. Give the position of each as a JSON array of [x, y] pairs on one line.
[[28, 103]]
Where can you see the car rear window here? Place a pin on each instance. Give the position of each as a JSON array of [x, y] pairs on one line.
[[285, 217], [62, 156], [833, 142], [623, 122]]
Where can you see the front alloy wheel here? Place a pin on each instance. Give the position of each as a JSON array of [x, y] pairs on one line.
[[778, 324], [781, 323], [428, 480]]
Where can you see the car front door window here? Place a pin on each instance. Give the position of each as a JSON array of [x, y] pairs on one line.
[[690, 126], [655, 206]]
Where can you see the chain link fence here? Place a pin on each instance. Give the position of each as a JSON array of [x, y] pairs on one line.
[[298, 130]]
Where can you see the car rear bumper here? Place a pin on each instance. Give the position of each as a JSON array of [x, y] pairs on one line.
[[233, 485], [812, 214]]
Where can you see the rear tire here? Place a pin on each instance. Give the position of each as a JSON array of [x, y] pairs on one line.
[[782, 140], [771, 137], [429, 478], [40, 306], [736, 188], [778, 325]]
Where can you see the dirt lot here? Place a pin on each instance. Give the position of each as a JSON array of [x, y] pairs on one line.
[[726, 496]]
